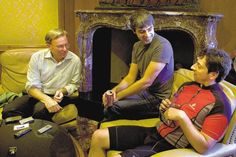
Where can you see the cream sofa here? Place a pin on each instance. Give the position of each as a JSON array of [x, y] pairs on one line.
[[14, 65], [227, 147]]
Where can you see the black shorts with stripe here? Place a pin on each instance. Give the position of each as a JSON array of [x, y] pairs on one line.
[[137, 141]]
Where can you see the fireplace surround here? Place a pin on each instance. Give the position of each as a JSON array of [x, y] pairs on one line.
[[200, 27]]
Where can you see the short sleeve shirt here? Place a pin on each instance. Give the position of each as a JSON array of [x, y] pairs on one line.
[[159, 50]]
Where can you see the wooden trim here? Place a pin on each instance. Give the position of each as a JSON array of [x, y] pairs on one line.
[[61, 14], [70, 23], [66, 19]]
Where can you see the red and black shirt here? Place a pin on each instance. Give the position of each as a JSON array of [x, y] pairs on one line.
[[207, 107]]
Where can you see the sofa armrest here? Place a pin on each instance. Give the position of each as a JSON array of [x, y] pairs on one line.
[[151, 122], [219, 150], [14, 66], [181, 76]]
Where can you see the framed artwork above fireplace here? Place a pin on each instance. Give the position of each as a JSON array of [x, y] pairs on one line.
[[150, 4]]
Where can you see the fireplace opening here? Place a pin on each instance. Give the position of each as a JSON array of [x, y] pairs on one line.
[[112, 55]]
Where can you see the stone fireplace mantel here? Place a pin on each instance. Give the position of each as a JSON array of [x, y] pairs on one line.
[[200, 26]]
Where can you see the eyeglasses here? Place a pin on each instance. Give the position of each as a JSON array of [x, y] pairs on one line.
[[62, 46]]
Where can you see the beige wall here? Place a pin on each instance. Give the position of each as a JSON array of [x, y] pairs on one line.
[[226, 31], [26, 22]]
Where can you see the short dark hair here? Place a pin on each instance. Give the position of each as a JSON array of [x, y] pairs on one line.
[[140, 19], [54, 34], [217, 61]]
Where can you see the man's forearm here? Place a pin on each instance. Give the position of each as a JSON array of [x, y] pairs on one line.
[[38, 94], [133, 89], [199, 142], [121, 86], [50, 103]]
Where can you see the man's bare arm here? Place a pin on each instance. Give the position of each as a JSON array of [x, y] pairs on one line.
[[50, 104]]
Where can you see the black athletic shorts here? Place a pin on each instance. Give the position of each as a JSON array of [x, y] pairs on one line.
[[137, 141]]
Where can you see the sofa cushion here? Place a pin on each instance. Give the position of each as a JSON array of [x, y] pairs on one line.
[[181, 76], [14, 69], [150, 122]]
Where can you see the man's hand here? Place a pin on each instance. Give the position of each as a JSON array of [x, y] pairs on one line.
[[58, 96], [104, 98], [165, 104], [52, 105], [170, 111], [174, 114]]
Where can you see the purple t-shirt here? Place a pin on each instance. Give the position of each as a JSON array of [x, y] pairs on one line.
[[159, 50]]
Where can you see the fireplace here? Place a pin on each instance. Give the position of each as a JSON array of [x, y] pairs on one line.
[[103, 34]]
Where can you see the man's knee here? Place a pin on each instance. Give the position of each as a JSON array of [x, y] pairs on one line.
[[100, 138], [113, 112], [18, 107], [6, 114]]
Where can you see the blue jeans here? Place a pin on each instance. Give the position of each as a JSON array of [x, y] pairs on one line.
[[140, 106]]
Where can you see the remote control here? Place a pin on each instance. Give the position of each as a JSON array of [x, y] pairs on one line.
[[13, 119], [26, 120], [44, 129], [22, 132]]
